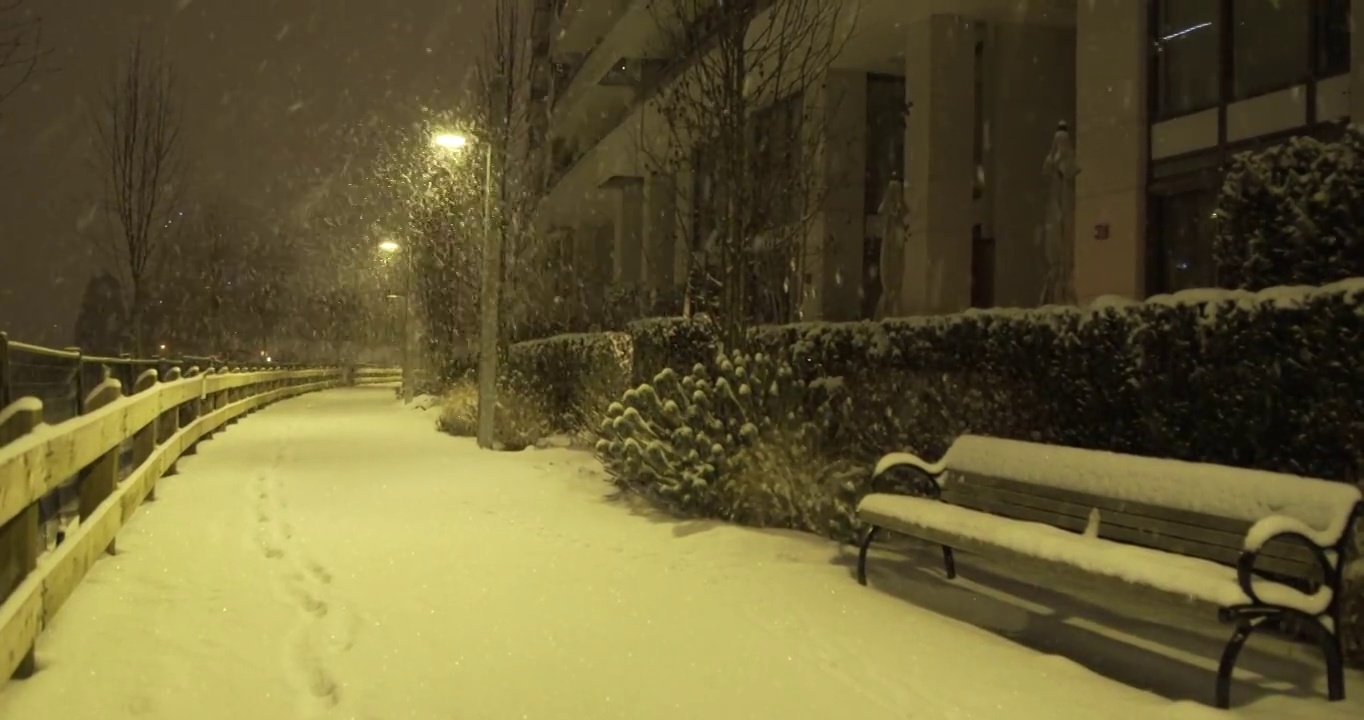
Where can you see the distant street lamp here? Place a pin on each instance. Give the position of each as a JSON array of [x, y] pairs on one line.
[[488, 293], [449, 141], [390, 247]]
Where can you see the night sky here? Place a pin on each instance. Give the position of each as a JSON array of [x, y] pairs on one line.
[[274, 92]]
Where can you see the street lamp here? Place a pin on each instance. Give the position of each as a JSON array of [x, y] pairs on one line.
[[488, 292], [390, 247], [449, 141]]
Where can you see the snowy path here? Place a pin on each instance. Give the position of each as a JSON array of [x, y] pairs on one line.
[[334, 557]]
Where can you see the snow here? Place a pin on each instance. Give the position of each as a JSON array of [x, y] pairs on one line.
[[424, 402], [1195, 579], [896, 459], [333, 556], [1323, 507]]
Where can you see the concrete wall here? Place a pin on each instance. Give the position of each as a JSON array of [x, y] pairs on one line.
[[939, 169], [1111, 148], [842, 222], [1031, 83]]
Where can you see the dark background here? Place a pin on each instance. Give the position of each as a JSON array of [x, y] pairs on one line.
[[283, 100]]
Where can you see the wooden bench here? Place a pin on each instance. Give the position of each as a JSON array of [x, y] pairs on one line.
[[1254, 546]]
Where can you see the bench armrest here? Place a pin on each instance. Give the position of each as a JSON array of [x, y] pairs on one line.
[[901, 459], [1274, 526], [1282, 526]]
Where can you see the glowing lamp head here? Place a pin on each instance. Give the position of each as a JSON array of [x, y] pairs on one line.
[[449, 141]]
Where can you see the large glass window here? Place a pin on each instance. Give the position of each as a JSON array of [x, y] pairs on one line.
[[1187, 47], [885, 136], [1182, 256], [1333, 38], [1270, 45]]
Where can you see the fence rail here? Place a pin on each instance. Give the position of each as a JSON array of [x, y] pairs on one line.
[[83, 441]]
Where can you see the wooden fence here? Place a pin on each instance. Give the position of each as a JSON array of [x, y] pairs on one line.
[[108, 459]]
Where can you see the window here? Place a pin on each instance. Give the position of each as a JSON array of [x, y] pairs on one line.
[[777, 154], [1187, 47], [885, 136], [982, 269], [1270, 45], [1181, 255], [1333, 38]]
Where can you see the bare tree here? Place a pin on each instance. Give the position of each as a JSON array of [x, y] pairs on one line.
[[742, 112], [138, 154], [21, 46], [512, 116]]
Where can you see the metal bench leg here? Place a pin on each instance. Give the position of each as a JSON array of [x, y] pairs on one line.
[[1244, 627], [1335, 660], [949, 563], [862, 554]]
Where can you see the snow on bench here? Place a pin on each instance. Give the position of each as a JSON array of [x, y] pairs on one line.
[[1255, 545]]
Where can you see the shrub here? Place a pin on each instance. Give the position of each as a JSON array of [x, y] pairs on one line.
[[459, 409], [676, 343], [741, 439], [519, 421], [1293, 214], [570, 378]]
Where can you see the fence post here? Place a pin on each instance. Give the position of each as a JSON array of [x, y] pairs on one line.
[[20, 542], [101, 477], [144, 441], [80, 381], [5, 398]]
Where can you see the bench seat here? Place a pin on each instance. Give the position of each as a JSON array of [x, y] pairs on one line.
[[1189, 578]]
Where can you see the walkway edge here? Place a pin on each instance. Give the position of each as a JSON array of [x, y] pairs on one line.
[[41, 595]]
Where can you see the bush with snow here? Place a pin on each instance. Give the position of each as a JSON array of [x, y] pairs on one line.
[[741, 439], [1293, 214], [571, 378], [519, 420]]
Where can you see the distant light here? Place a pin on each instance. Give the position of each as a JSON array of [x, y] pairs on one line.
[[389, 246], [391, 296], [267, 359], [449, 141], [163, 346]]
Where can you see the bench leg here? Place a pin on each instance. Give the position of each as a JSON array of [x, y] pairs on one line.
[[1335, 658], [1222, 693], [862, 554], [949, 563]]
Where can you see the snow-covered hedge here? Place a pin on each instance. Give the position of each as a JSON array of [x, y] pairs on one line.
[[1293, 214], [571, 378], [671, 342], [1266, 380], [740, 438]]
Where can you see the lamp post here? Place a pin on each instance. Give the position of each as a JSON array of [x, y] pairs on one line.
[[491, 278], [389, 247]]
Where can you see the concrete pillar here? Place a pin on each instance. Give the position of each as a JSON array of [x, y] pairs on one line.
[[939, 167], [628, 240], [660, 235], [1029, 97], [1111, 148], [844, 216], [592, 270]]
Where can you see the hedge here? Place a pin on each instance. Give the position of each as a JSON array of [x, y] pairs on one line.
[[1292, 214], [571, 378]]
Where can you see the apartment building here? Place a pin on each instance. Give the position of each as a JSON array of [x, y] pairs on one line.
[[959, 100]]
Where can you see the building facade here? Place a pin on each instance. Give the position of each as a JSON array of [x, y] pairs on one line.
[[958, 103]]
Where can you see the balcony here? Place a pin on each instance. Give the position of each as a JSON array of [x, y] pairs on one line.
[[582, 23]]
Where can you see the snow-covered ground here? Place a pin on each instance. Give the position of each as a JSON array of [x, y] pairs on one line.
[[334, 557]]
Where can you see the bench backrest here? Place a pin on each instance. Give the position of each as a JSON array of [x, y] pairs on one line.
[[1193, 509]]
